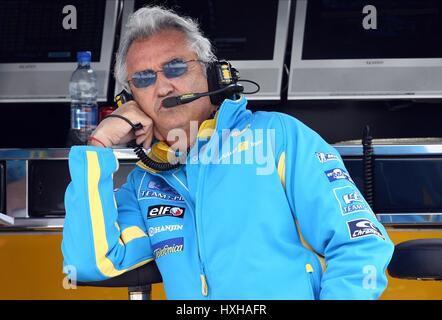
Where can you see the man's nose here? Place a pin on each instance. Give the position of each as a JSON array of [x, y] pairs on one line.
[[164, 85]]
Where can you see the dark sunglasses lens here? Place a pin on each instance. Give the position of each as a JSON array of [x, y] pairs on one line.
[[175, 68], [143, 79]]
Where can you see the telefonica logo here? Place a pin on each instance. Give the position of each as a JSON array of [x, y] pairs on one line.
[[371, 62], [169, 246]]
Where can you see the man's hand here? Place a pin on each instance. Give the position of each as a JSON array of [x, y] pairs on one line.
[[114, 131]]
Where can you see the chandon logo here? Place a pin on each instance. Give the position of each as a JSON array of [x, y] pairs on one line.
[[362, 228]]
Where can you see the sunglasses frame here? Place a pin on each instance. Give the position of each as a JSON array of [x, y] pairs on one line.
[[155, 72]]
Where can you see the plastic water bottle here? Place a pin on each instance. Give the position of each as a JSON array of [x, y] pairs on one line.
[[83, 94]]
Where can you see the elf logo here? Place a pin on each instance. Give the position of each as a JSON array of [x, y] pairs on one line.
[[165, 211]]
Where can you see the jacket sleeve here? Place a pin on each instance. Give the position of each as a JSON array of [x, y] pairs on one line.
[[332, 215], [104, 233]]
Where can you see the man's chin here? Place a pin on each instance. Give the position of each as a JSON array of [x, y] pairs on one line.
[[172, 132]]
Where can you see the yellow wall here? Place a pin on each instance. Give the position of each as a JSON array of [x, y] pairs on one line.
[[412, 289], [31, 268]]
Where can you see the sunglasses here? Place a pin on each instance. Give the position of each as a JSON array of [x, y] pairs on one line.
[[172, 69]]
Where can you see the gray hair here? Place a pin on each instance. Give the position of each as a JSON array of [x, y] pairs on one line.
[[150, 20]]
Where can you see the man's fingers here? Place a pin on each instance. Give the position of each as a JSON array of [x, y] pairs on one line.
[[148, 141], [120, 131], [140, 139], [145, 139], [128, 137]]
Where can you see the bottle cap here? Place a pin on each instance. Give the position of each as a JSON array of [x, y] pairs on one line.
[[84, 56]]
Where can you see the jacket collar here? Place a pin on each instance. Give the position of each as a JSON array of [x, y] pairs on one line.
[[231, 113]]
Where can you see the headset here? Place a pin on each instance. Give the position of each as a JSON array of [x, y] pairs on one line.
[[222, 80]]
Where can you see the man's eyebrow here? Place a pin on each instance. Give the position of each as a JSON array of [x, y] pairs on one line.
[[173, 58]]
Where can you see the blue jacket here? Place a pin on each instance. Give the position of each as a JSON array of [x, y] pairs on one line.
[[264, 211]]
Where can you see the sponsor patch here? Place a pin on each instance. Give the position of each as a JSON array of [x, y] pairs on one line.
[[160, 195], [338, 174], [161, 190], [325, 157], [165, 211], [363, 228], [161, 186], [166, 228], [168, 246], [350, 200]]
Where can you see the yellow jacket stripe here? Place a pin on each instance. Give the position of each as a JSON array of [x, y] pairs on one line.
[[132, 233], [104, 264], [281, 173], [281, 168]]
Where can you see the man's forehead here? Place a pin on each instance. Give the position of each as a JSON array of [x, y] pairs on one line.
[[153, 52]]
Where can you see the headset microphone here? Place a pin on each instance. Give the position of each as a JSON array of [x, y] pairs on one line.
[[230, 90], [222, 80]]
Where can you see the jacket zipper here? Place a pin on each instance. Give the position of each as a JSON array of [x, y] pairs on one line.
[[309, 269], [203, 278], [204, 286]]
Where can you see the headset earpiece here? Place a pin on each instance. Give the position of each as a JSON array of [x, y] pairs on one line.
[[123, 97], [221, 74]]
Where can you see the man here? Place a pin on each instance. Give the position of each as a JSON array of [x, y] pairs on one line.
[[220, 225]]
